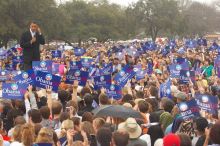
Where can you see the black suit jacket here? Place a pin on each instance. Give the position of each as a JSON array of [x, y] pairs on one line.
[[31, 52]]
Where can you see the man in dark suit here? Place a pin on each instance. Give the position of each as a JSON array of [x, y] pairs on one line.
[[30, 42]]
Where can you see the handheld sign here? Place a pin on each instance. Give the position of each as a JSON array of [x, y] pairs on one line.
[[81, 76], [79, 51], [141, 74], [185, 76], [165, 89], [108, 69], [188, 109], [12, 91], [124, 75], [113, 91], [75, 65], [55, 68], [56, 54], [176, 68], [44, 79], [207, 103], [25, 78], [45, 66], [86, 61], [102, 81], [4, 75]]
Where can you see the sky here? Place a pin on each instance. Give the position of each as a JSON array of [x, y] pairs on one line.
[[127, 2]]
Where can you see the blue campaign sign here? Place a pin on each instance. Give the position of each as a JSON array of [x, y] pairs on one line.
[[44, 79], [165, 89], [114, 91], [79, 51], [176, 68], [75, 65], [108, 69], [55, 68], [150, 67], [81, 76], [140, 74], [207, 103], [185, 76], [56, 54], [218, 71], [9, 67], [180, 60], [86, 61], [4, 75], [124, 75], [94, 71], [102, 81], [188, 109], [26, 78], [17, 59], [217, 61], [137, 68], [12, 91], [45, 66]]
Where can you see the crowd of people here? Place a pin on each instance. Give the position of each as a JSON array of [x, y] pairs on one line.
[[66, 118]]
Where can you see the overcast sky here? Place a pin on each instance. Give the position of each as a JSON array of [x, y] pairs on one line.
[[127, 2]]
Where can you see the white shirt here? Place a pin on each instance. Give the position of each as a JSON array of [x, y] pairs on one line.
[[32, 33]]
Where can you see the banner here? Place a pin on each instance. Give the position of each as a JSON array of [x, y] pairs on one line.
[[86, 61], [114, 91], [55, 68], [4, 75], [75, 65], [56, 54], [188, 109], [207, 103], [176, 68], [45, 66], [79, 51], [44, 79], [186, 76], [12, 91], [124, 75], [25, 78], [101, 81], [165, 89], [108, 69], [140, 74], [81, 76]]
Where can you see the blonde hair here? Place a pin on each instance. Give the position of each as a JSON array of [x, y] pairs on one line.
[[87, 127], [45, 135], [67, 124], [16, 135], [78, 143], [27, 135], [98, 123]]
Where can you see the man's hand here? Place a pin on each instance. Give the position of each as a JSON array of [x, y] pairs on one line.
[[33, 40], [75, 84], [49, 89], [39, 30]]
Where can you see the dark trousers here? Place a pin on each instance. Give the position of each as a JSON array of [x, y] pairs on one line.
[[29, 56]]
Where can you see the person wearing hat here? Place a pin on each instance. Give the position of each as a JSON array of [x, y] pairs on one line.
[[134, 130], [171, 140]]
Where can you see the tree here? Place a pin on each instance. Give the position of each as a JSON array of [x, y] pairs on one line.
[[157, 15]]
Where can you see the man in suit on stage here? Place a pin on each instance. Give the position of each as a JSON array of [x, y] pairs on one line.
[[30, 42]]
